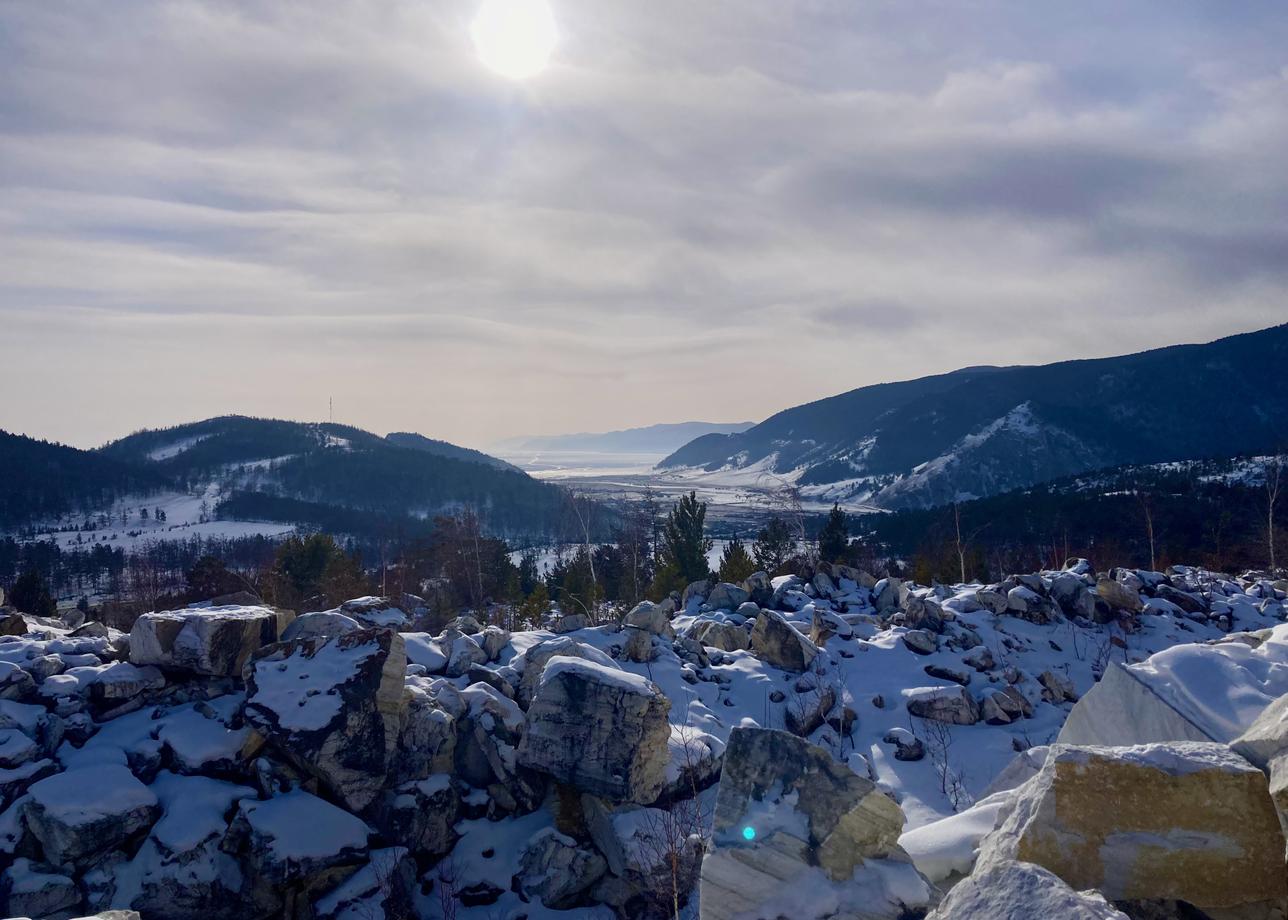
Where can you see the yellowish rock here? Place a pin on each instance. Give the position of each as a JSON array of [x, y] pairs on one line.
[[1187, 821]]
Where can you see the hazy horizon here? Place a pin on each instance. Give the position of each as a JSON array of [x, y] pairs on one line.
[[714, 211]]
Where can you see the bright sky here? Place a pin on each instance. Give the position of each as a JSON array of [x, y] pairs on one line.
[[696, 210]]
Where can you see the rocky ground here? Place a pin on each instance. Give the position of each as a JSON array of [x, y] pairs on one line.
[[1064, 744]]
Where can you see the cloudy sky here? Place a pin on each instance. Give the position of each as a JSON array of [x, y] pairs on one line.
[[701, 209]]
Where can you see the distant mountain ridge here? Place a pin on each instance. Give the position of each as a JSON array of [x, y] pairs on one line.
[[655, 439], [985, 430], [268, 468]]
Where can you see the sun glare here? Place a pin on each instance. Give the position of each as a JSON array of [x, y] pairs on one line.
[[514, 37]]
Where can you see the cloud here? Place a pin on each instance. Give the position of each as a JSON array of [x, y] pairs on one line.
[[257, 203]]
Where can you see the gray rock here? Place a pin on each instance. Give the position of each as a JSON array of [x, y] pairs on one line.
[[777, 642], [422, 815], [320, 624], [943, 704], [1119, 596], [333, 707], [556, 870], [1020, 891], [263, 831], [726, 596], [570, 622], [921, 641], [723, 636], [794, 830], [81, 814], [604, 731], [1073, 596], [535, 659], [215, 641], [32, 890]]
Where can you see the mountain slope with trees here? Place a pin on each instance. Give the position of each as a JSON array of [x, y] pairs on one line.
[[985, 430]]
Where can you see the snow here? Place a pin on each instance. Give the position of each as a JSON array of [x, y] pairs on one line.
[[195, 809], [296, 687], [85, 795], [423, 650], [195, 740], [175, 448], [303, 826], [1175, 758], [1220, 688], [599, 673], [946, 847]]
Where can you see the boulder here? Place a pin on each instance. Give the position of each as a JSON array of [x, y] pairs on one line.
[[1119, 596], [760, 589], [213, 641], [383, 888], [638, 646], [421, 815], [294, 836], [726, 596], [29, 889], [1004, 706], [1020, 891], [885, 595], [124, 681], [650, 617], [1027, 604], [600, 729], [376, 612], [556, 870], [777, 642], [727, 637], [1173, 695], [907, 746], [1073, 596], [533, 662], [993, 600], [921, 641], [83, 813], [12, 624], [942, 704], [570, 622], [332, 707], [463, 651], [320, 624], [1187, 821], [798, 834]]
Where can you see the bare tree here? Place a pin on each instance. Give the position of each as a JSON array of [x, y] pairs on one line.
[[672, 837], [1272, 474], [782, 499], [963, 544], [1146, 502], [938, 738]]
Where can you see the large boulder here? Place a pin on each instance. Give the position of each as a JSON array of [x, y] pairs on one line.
[[1177, 694], [600, 729], [294, 836], [1020, 891], [1186, 821], [532, 663], [333, 707], [556, 870], [777, 642], [321, 623], [798, 834], [83, 813], [652, 854], [727, 637], [214, 641], [726, 596], [953, 705], [28, 889], [1119, 596]]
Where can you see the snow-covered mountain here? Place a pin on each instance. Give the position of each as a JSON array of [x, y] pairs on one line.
[[984, 430]]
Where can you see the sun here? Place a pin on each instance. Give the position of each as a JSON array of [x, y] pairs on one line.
[[514, 37]]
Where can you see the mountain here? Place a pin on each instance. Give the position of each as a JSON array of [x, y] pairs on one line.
[[985, 430], [41, 479], [268, 470], [653, 439], [444, 449]]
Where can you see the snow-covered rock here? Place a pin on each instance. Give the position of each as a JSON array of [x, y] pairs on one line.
[[333, 707], [1021, 891], [1184, 821], [80, 814], [798, 834], [213, 640], [600, 729], [1198, 692], [777, 642], [322, 623], [296, 835]]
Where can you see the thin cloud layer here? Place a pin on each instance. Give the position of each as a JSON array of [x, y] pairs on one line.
[[715, 210]]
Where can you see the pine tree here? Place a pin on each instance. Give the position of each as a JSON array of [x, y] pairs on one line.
[[834, 538], [774, 546], [684, 545], [735, 562], [30, 594]]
